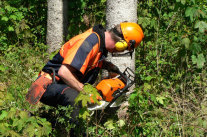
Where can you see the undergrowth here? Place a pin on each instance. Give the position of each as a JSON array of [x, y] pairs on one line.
[[170, 98]]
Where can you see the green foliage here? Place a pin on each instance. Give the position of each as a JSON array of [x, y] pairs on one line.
[[172, 70], [169, 98], [16, 69], [21, 24], [23, 54], [64, 117], [200, 60], [60, 118], [88, 94], [84, 14], [14, 122]]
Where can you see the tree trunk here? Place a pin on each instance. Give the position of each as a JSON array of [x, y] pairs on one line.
[[119, 11], [56, 23]]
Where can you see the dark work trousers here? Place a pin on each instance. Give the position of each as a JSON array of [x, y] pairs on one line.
[[61, 94]]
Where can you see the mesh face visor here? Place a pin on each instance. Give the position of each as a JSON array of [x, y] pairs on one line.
[[118, 33]]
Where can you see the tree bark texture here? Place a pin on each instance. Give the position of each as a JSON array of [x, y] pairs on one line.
[[56, 23], [119, 11]]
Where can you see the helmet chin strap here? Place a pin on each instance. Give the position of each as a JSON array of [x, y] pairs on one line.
[[132, 43]]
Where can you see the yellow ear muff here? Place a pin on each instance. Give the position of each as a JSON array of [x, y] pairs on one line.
[[121, 45]]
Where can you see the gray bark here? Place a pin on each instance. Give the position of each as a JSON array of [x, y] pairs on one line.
[[56, 23], [119, 11]]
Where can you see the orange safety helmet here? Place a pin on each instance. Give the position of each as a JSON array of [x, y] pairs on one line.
[[132, 32]]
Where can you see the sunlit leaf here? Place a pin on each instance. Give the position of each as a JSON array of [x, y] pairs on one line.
[[109, 124], [10, 28], [23, 114], [4, 18], [13, 17], [190, 11], [200, 61], [30, 130], [147, 86], [201, 25], [194, 59], [103, 1], [121, 123], [3, 115], [148, 78], [183, 2], [186, 42], [133, 96], [160, 99]]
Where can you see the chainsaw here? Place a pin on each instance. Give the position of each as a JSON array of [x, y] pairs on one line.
[[114, 91]]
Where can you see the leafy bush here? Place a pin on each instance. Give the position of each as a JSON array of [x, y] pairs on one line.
[[23, 54], [15, 122], [171, 66], [22, 23], [21, 58]]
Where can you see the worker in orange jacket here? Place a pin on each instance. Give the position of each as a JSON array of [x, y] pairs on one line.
[[79, 61]]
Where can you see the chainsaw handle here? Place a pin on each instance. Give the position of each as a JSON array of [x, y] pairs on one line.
[[128, 82], [53, 74], [126, 77]]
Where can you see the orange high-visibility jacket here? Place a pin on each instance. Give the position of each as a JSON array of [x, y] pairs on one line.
[[83, 52]]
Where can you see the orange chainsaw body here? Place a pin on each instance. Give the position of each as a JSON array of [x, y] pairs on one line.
[[108, 86]]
